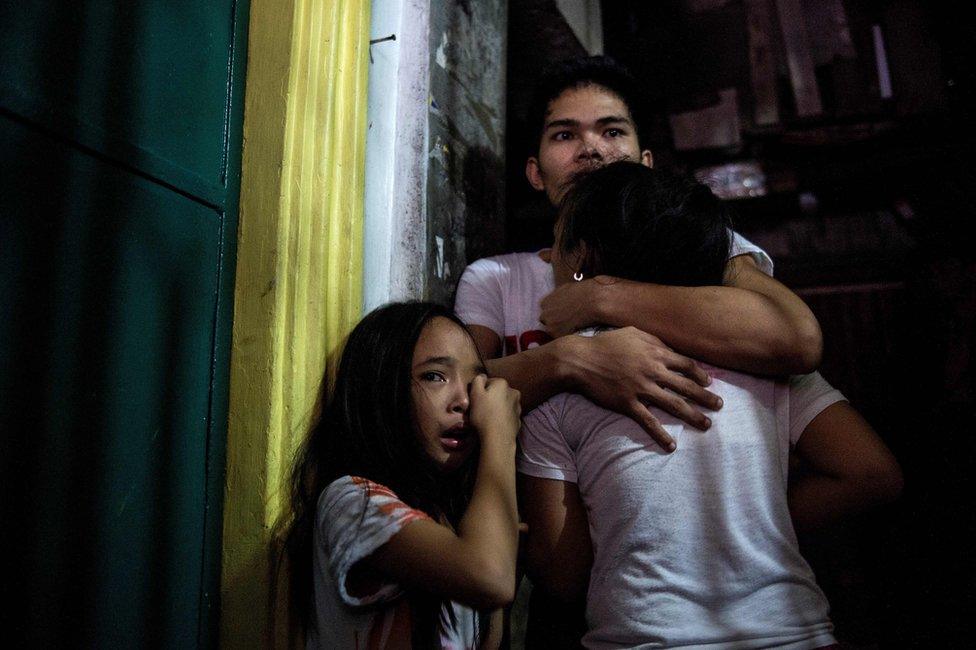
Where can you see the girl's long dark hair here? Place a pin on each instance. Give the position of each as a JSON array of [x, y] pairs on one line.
[[366, 429], [648, 225]]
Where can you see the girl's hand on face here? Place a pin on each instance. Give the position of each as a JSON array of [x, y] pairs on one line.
[[495, 408]]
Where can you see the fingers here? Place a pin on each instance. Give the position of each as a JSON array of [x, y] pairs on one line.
[[676, 406], [649, 423], [479, 382], [499, 384], [557, 329], [686, 378], [688, 368], [655, 353], [495, 382], [689, 389], [564, 310], [499, 398]]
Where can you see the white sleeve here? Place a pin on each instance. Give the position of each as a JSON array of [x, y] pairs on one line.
[[809, 396], [479, 299], [543, 451], [355, 517], [742, 246]]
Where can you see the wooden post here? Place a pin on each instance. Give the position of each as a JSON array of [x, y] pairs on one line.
[[759, 18], [798, 58]]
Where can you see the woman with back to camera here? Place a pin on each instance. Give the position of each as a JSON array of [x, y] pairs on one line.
[[695, 548]]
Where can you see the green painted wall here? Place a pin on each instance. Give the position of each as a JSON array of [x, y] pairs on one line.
[[120, 138]]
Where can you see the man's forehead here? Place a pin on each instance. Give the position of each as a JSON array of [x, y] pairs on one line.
[[588, 97], [604, 120]]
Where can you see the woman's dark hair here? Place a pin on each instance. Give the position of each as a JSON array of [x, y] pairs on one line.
[[579, 72], [647, 225], [366, 429]]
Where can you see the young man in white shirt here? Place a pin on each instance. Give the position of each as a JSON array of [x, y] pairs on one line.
[[585, 110], [586, 114]]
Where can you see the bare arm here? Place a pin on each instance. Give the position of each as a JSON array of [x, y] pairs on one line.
[[624, 370], [753, 324], [496, 631], [558, 552], [844, 469], [476, 565], [537, 373]]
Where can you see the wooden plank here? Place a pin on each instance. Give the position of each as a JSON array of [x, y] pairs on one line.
[[798, 58], [828, 31], [843, 43], [762, 66]]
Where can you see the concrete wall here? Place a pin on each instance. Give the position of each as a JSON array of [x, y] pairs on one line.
[[435, 145], [395, 229], [465, 147]]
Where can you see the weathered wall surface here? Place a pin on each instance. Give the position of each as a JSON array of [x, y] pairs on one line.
[[395, 233], [465, 147]]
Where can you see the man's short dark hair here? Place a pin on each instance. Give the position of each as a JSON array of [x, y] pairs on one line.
[[647, 225], [577, 73]]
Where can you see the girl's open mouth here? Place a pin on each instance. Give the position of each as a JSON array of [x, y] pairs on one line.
[[456, 437]]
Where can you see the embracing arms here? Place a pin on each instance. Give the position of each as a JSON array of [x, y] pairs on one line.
[[621, 370], [756, 325], [752, 324]]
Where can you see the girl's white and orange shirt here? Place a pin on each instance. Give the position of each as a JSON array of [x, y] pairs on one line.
[[355, 517]]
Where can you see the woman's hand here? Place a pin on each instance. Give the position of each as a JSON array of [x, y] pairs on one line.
[[495, 410]]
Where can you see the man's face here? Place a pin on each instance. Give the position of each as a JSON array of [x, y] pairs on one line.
[[585, 128]]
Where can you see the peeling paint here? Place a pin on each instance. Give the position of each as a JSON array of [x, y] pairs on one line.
[[439, 152], [465, 147], [440, 255], [483, 111], [440, 57]]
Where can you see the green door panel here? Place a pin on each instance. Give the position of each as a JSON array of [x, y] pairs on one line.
[[117, 489], [120, 136], [143, 82]]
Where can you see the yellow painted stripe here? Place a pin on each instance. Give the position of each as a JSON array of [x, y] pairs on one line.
[[299, 275]]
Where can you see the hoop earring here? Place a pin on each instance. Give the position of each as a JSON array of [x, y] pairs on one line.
[[578, 276]]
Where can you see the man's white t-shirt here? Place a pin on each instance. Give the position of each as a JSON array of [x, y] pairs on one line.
[[503, 294], [694, 548]]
